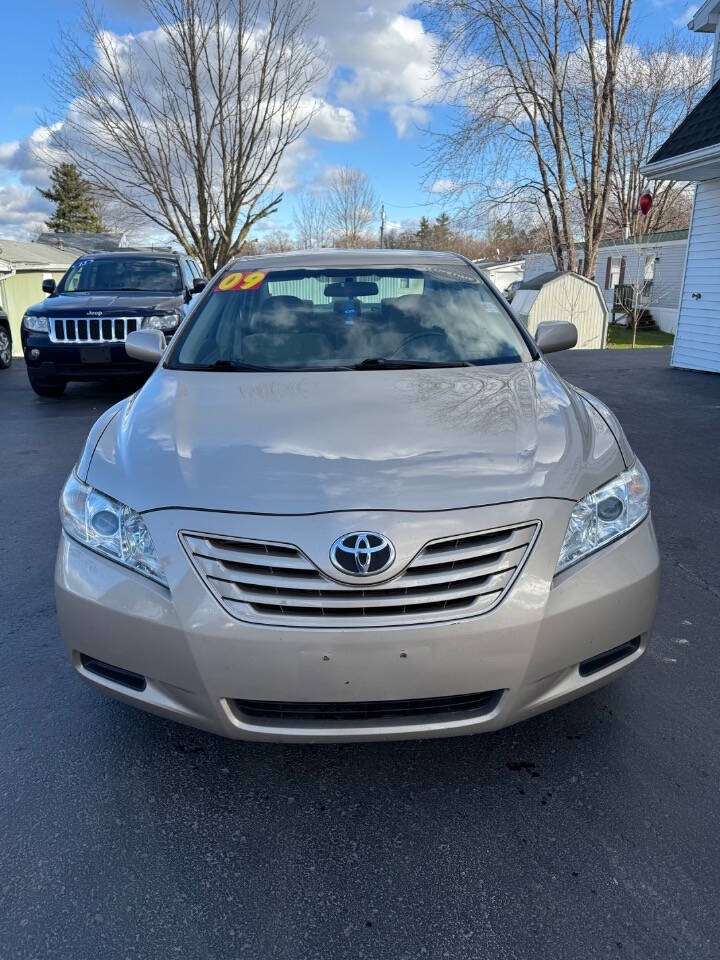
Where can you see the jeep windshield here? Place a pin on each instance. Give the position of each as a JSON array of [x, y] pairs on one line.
[[114, 274], [340, 319]]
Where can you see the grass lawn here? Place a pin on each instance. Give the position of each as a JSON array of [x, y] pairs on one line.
[[620, 338]]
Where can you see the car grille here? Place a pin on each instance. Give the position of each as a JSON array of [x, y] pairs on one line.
[[389, 711], [278, 583], [92, 329]]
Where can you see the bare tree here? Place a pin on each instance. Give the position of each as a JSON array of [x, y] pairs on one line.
[[537, 98], [658, 84], [277, 241], [311, 221], [186, 124], [351, 205]]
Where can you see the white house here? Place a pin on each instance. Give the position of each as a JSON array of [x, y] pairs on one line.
[[692, 154], [652, 264], [501, 272]]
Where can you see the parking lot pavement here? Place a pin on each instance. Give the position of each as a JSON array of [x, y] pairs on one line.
[[587, 832]]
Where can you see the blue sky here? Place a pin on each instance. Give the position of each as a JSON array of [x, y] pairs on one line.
[[381, 81]]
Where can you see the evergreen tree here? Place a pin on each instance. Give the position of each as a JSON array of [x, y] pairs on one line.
[[424, 234], [75, 207], [441, 233]]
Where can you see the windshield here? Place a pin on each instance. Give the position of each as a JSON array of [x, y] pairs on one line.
[[349, 319], [151, 274]]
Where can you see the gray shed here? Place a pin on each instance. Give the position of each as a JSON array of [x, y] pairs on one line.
[[557, 296]]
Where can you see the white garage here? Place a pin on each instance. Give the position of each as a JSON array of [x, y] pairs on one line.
[[558, 296]]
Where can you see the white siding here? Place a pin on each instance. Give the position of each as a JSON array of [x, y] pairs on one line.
[[697, 344], [503, 274], [663, 297], [716, 57]]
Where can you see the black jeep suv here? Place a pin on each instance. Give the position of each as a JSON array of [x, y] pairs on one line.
[[79, 331]]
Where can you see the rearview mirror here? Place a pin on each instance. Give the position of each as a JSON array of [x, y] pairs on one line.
[[48, 285], [147, 345], [199, 284], [351, 288], [553, 336]]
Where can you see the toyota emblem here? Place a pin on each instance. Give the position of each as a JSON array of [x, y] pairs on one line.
[[362, 554]]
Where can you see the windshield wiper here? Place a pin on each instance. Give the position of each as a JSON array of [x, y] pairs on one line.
[[234, 365], [385, 363]]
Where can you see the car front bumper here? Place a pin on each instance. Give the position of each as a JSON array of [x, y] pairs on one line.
[[197, 661], [49, 361]]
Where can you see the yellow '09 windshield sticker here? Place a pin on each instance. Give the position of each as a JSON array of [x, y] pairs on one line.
[[249, 280]]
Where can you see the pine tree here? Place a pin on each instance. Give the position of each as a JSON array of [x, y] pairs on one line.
[[441, 233], [424, 234], [75, 207]]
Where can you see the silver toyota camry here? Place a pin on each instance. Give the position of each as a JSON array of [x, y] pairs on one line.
[[354, 502]]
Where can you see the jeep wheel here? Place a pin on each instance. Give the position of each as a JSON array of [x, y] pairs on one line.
[[5, 349]]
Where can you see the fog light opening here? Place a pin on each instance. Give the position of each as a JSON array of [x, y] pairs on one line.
[[603, 660], [125, 678]]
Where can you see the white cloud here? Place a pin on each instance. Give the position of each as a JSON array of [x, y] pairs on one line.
[[333, 123], [390, 57], [443, 186], [26, 158], [378, 57], [407, 118], [23, 212]]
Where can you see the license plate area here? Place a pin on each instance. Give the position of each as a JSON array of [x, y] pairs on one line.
[[95, 355]]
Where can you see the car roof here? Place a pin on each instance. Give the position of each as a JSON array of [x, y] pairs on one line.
[[359, 259], [131, 254]]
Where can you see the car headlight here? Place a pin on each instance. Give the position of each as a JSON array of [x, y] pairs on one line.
[[109, 527], [606, 514], [36, 324], [161, 321]]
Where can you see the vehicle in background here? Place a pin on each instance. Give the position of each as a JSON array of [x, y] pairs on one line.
[[5, 341], [510, 291], [354, 502], [79, 331]]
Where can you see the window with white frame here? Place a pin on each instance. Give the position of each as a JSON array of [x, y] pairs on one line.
[[649, 270]]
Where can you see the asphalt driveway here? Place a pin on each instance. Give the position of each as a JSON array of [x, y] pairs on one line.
[[588, 832]]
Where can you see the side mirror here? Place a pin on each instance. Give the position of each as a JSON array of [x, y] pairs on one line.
[[147, 345], [553, 336], [199, 284], [48, 285]]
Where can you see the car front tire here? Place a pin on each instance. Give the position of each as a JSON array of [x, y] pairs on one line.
[[5, 349]]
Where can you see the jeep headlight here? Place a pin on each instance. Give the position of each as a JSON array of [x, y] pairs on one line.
[[606, 514], [36, 324], [109, 527], [162, 321]]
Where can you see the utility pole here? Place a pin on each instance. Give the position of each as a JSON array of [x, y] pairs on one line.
[[382, 225]]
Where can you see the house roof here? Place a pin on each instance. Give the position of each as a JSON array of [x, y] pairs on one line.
[[535, 283], [517, 261], [84, 241], [39, 256], [644, 239], [705, 18], [699, 130]]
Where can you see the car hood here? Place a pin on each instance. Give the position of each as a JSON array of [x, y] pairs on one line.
[[106, 304], [313, 442]]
